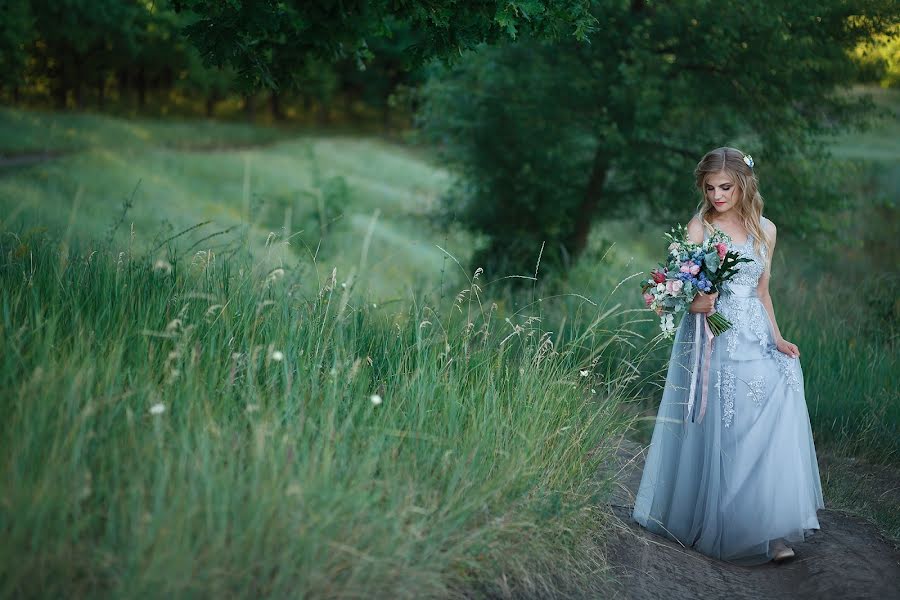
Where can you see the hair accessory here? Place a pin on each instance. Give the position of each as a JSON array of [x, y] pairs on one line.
[[748, 160]]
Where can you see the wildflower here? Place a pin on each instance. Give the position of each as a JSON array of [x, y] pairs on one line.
[[277, 356], [584, 373], [158, 408], [162, 266], [375, 399]]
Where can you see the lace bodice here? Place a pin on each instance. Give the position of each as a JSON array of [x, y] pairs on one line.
[[749, 272], [745, 311]]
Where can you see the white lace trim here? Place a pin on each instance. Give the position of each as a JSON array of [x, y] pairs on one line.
[[726, 385], [756, 390]]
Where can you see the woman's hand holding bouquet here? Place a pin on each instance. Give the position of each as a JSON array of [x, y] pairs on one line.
[[690, 270]]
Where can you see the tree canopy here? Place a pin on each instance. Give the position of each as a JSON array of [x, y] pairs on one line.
[[549, 136], [268, 41]]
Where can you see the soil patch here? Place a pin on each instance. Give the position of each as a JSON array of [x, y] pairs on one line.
[[846, 558]]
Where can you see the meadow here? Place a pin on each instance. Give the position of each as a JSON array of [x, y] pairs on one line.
[[242, 360]]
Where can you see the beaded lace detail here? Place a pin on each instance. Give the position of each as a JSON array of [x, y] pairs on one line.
[[745, 314], [726, 384], [749, 320], [756, 390]]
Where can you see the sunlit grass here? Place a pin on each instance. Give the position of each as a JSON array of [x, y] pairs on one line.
[[320, 192], [204, 426]]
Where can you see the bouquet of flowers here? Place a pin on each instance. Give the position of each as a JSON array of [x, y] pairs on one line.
[[690, 269]]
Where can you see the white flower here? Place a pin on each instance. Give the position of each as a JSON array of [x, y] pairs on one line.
[[584, 373], [660, 287], [667, 324], [163, 266], [375, 399], [158, 408], [277, 356]]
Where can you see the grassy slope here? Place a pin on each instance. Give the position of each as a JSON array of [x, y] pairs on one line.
[[330, 187], [268, 477]]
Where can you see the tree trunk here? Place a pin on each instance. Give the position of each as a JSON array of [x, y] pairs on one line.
[[60, 95], [141, 84], [590, 202], [323, 114], [101, 93], [16, 94], [386, 116], [79, 84], [275, 106], [250, 108], [307, 105]]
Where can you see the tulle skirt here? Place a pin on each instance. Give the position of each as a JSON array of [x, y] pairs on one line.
[[745, 475]]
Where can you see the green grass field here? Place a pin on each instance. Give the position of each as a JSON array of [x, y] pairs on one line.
[[318, 195], [195, 320]]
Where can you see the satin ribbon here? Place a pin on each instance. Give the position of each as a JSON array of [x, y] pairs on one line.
[[700, 323]]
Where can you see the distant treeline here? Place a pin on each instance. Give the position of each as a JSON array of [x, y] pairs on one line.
[[133, 56]]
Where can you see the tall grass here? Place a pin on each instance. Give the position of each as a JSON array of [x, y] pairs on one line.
[[204, 427], [848, 341]]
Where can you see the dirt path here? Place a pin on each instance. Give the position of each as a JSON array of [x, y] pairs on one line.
[[28, 158], [845, 559]]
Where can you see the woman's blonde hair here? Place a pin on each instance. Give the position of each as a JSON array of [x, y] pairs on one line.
[[750, 203]]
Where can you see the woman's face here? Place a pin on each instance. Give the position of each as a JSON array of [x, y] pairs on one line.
[[722, 192]]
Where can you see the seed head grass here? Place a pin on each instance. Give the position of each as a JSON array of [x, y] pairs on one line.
[[202, 426]]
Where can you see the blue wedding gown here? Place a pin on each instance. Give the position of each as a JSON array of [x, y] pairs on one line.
[[745, 475]]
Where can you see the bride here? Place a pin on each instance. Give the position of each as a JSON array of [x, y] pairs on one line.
[[740, 482]]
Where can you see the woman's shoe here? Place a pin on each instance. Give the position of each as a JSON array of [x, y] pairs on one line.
[[782, 553]]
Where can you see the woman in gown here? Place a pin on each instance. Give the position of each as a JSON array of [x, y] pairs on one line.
[[740, 482]]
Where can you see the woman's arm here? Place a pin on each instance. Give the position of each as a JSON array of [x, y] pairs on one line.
[[762, 290]]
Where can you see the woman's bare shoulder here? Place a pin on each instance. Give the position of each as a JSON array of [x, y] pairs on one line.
[[695, 230], [768, 226]]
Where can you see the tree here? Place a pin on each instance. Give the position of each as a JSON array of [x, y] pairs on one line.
[[75, 39], [267, 41], [547, 137], [16, 33]]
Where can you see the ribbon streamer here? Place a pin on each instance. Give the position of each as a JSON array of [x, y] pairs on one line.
[[700, 323]]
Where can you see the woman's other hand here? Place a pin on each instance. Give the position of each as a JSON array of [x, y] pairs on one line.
[[703, 303], [786, 347]]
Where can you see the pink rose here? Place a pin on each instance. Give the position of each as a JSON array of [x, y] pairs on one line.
[[722, 249], [673, 286], [686, 267], [695, 269], [648, 298]]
